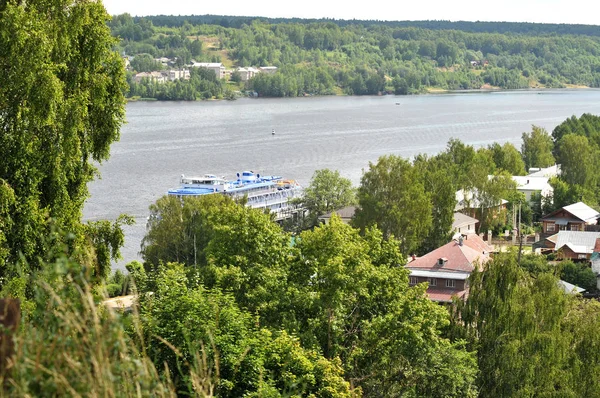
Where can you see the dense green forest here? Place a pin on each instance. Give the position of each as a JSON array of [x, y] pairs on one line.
[[371, 57], [231, 304]]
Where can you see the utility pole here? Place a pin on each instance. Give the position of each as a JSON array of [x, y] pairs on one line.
[[520, 236]]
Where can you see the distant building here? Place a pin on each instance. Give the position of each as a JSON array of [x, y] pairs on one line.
[[216, 67], [574, 217], [268, 69], [551, 171], [529, 185], [345, 213], [247, 73], [463, 224], [157, 77], [174, 74], [572, 245], [164, 61], [447, 268]]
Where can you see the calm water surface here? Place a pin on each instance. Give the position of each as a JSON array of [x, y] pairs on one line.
[[163, 140]]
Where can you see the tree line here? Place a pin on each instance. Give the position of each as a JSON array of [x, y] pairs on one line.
[[359, 58]]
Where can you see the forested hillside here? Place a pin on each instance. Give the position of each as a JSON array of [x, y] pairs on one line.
[[370, 57]]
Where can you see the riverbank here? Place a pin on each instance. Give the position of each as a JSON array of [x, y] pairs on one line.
[[428, 91]]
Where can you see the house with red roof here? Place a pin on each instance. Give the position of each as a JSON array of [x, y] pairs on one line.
[[447, 268]]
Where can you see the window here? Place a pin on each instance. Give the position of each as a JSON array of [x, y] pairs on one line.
[[412, 280], [450, 283], [575, 227], [432, 281], [550, 227]]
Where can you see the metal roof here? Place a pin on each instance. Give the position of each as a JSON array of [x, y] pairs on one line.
[[459, 276], [582, 211], [461, 220], [570, 288], [577, 240]]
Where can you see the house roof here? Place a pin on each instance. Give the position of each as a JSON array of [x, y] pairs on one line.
[[444, 296], [577, 241], [207, 64], [456, 257], [532, 183], [462, 220], [459, 276], [551, 171], [578, 210], [344, 212], [597, 245], [582, 211], [570, 288]]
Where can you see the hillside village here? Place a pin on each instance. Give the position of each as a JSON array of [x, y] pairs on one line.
[[569, 233], [170, 74]]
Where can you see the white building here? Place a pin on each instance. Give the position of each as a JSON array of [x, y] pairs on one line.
[[247, 73], [216, 67], [158, 77], [174, 74], [268, 69], [529, 185]]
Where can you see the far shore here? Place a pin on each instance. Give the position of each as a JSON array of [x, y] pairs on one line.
[[428, 91]]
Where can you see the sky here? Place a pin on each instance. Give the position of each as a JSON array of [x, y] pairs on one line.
[[547, 11]]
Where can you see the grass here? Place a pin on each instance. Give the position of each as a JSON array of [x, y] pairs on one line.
[[73, 347]]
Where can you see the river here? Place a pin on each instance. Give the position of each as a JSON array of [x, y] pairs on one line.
[[163, 140]]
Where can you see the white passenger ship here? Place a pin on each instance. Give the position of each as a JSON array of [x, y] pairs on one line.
[[262, 192]]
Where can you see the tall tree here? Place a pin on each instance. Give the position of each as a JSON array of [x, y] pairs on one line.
[[579, 160], [392, 196], [327, 191], [61, 106], [351, 299], [438, 182], [516, 323], [537, 148], [508, 158]]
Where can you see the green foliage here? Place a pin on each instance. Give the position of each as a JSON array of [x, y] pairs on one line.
[[230, 246], [327, 191], [370, 57], [179, 230], [62, 105], [69, 345], [240, 358], [537, 148], [516, 323], [392, 196], [578, 160], [202, 84], [145, 63], [506, 157], [578, 274], [438, 181]]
